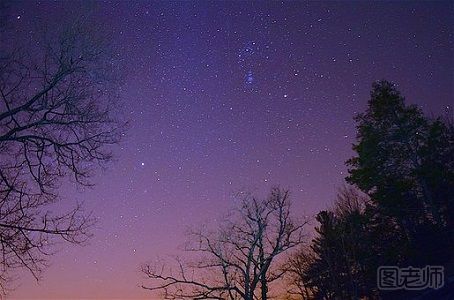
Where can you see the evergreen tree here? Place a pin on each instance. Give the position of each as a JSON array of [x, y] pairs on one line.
[[342, 251], [404, 163]]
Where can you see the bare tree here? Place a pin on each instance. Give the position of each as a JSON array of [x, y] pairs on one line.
[[297, 267], [55, 121], [240, 259]]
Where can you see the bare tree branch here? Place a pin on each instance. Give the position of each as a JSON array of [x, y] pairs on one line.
[[240, 259], [56, 119]]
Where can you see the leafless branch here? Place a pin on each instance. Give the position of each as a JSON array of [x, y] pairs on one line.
[[240, 259], [56, 119]]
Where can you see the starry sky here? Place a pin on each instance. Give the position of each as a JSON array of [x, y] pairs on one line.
[[227, 96]]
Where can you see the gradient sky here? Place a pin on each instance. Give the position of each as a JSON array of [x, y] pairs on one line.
[[226, 96]]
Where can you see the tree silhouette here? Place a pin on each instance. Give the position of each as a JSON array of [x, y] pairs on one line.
[[55, 122], [297, 266], [405, 164], [240, 259], [333, 267]]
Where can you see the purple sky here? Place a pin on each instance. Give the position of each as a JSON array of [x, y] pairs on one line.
[[228, 96]]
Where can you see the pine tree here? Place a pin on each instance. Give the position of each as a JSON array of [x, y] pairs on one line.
[[342, 251], [404, 163]]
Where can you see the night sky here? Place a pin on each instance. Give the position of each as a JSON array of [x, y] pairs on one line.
[[231, 96]]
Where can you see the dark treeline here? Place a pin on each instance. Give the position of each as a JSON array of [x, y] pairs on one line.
[[396, 210]]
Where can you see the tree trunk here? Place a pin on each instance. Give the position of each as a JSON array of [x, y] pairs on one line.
[[264, 288]]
